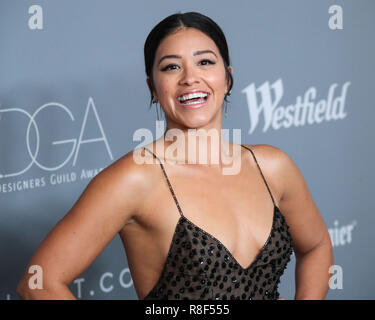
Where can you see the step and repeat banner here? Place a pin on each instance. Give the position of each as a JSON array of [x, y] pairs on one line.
[[73, 92]]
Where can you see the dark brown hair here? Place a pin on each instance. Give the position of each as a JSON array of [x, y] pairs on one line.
[[189, 20]]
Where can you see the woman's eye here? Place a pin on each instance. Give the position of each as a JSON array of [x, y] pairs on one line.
[[209, 62], [168, 67], [204, 62]]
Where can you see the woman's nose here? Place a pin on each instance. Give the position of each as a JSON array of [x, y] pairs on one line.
[[189, 76]]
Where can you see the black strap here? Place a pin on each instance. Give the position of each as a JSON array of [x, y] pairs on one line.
[[174, 196], [264, 179], [169, 184]]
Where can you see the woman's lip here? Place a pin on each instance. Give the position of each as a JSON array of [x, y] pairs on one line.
[[194, 106]]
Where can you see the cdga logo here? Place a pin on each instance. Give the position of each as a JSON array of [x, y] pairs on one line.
[[34, 126]]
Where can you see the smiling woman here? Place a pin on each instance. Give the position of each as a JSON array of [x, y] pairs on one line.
[[188, 67], [218, 236]]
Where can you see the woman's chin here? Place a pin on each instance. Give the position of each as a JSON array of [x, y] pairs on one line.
[[196, 122]]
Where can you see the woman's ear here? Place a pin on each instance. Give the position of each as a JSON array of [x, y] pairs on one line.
[[149, 84], [230, 68]]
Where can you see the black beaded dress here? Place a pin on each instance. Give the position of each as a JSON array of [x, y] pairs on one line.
[[200, 267]]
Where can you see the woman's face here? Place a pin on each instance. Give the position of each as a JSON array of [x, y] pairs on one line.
[[188, 62]]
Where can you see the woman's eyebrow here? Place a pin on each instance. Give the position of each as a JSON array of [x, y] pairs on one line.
[[194, 54]]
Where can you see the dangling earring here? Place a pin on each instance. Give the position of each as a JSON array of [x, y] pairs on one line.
[[158, 109], [226, 110], [158, 113], [226, 106]]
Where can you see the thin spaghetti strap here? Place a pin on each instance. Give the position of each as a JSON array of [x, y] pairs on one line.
[[169, 184], [264, 179]]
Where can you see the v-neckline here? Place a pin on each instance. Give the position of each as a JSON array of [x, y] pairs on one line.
[[265, 245], [184, 218]]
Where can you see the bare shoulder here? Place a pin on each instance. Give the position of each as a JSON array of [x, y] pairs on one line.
[[272, 155], [283, 168], [111, 199], [128, 177], [276, 164], [128, 168], [296, 202]]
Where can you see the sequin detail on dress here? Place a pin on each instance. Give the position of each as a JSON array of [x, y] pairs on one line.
[[200, 267]]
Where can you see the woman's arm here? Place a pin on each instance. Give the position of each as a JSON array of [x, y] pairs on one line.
[[311, 240], [108, 202]]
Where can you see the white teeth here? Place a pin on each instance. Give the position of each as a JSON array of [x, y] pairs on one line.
[[189, 103], [193, 95]]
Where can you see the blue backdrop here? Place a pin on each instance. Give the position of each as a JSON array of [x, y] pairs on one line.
[[73, 92]]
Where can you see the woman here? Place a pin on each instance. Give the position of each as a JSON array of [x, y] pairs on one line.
[[201, 239]]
